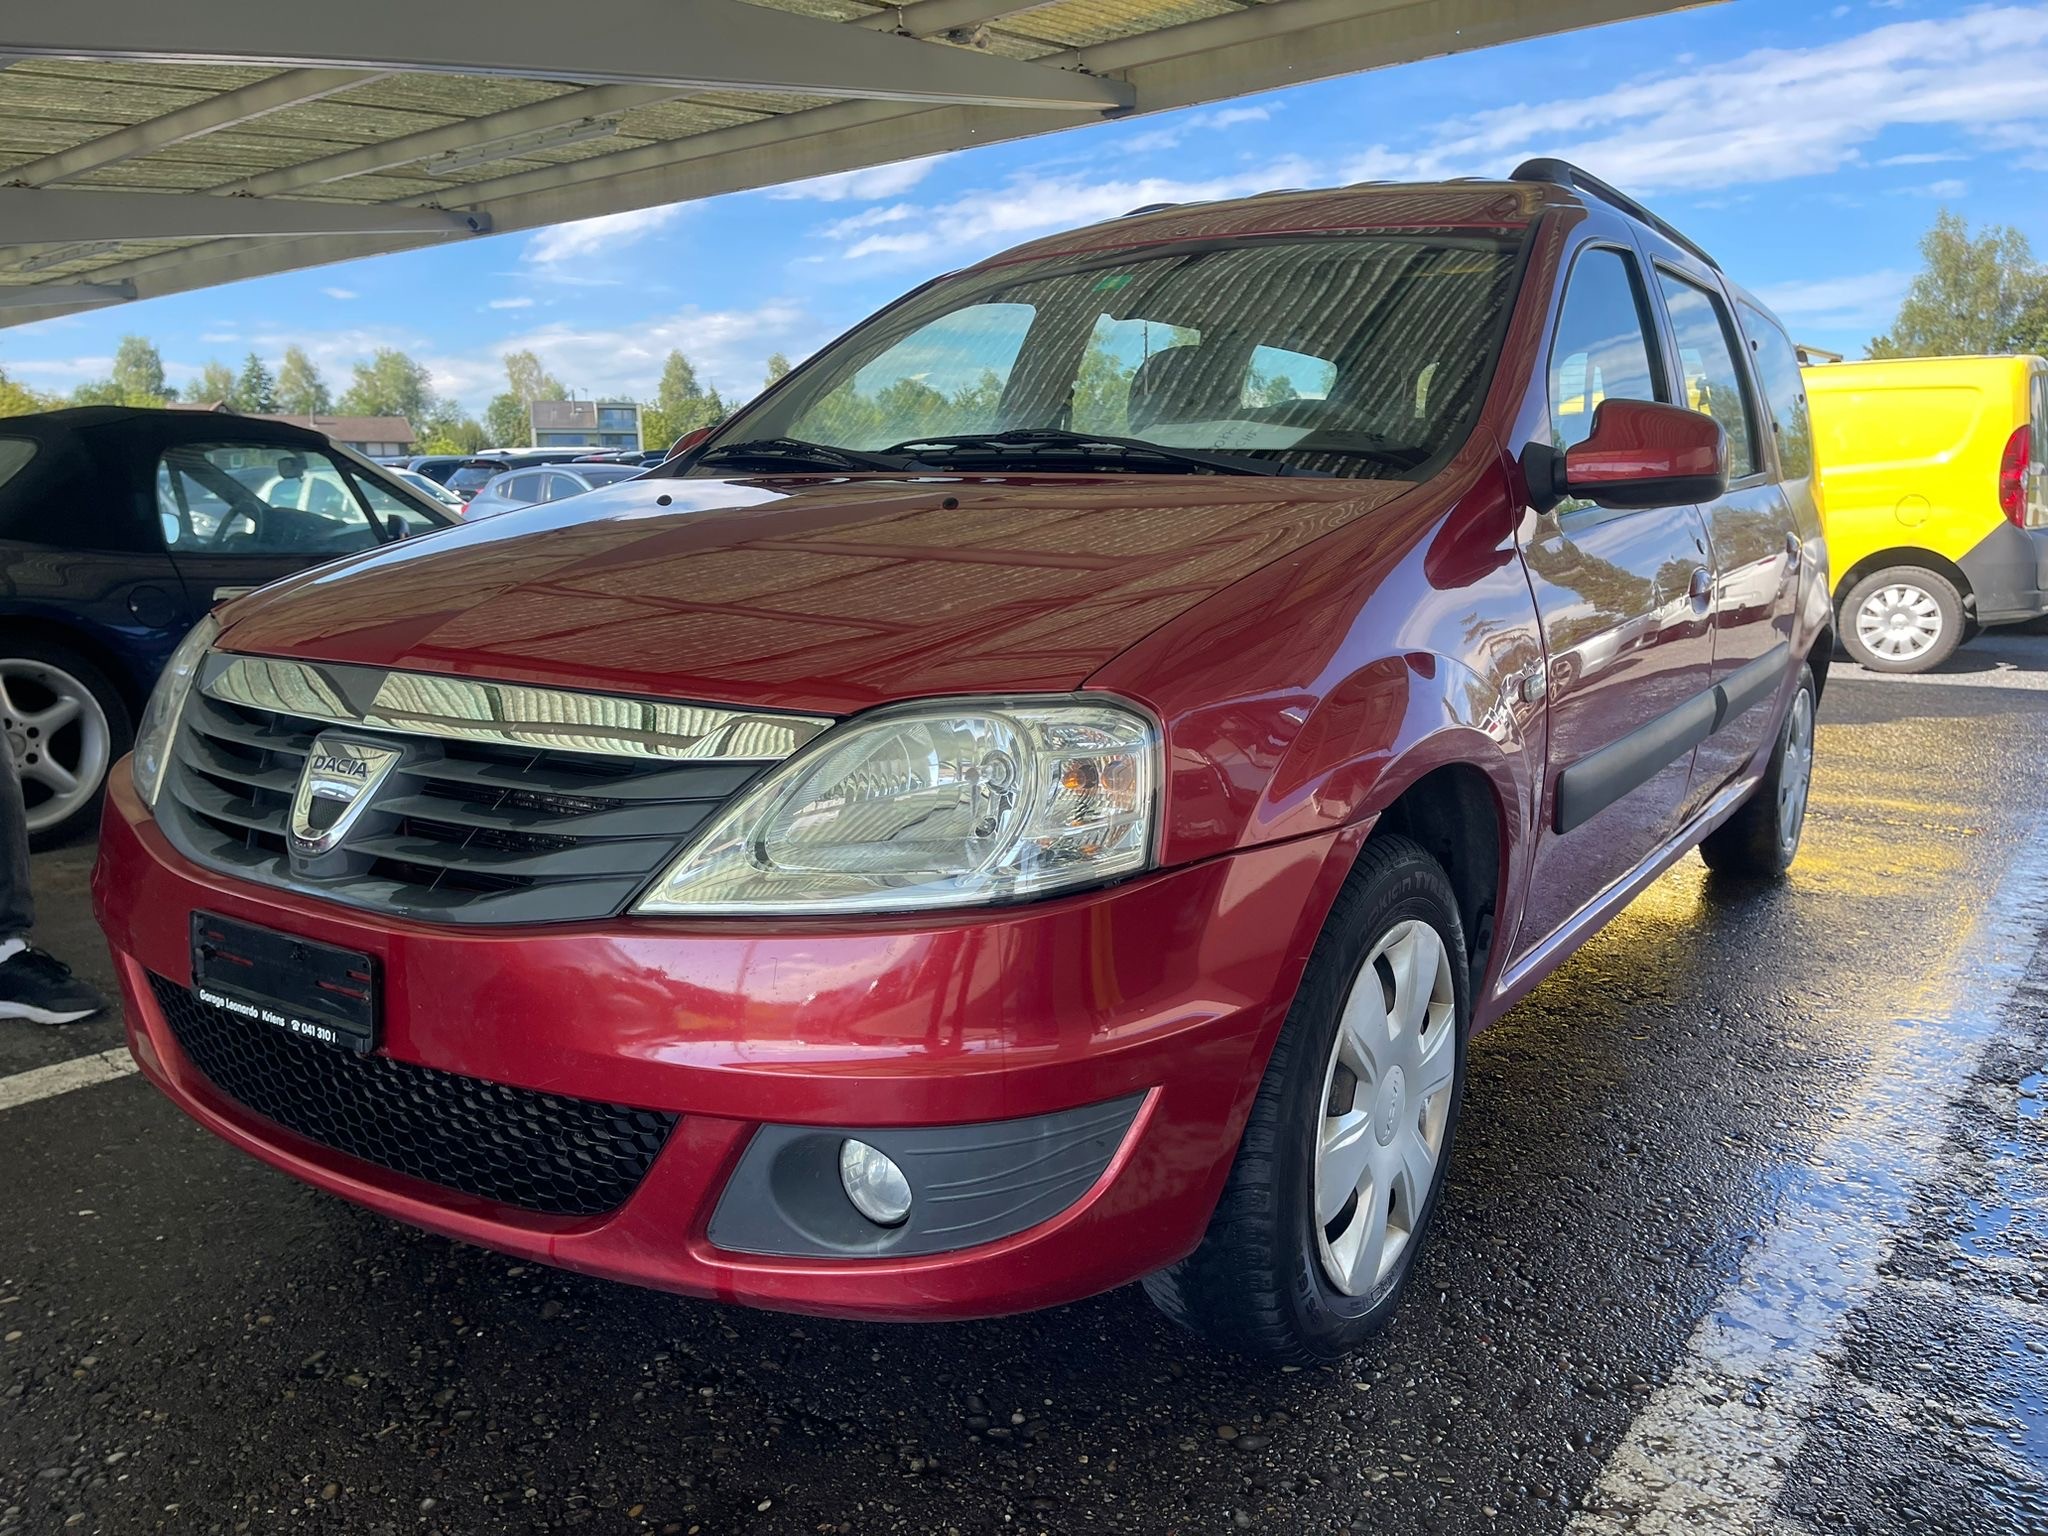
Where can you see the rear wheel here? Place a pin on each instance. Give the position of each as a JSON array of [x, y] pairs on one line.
[[66, 725], [1760, 841], [1903, 619], [1345, 1152]]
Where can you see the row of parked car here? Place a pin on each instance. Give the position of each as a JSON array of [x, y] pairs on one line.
[[478, 485]]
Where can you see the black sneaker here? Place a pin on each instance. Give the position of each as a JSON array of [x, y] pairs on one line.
[[40, 987]]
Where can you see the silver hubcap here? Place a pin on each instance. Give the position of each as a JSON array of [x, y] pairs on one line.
[[1795, 773], [58, 736], [1899, 622], [1386, 1107]]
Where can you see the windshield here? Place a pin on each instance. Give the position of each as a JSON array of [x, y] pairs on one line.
[[471, 476], [1352, 355], [605, 474]]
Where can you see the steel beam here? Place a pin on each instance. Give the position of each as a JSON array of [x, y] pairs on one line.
[[227, 110], [37, 216], [65, 296], [700, 44]]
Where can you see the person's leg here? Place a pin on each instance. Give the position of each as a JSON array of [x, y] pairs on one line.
[[33, 985], [17, 911]]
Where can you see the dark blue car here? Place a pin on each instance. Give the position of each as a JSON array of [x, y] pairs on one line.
[[119, 529]]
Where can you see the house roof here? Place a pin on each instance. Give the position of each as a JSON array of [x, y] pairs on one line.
[[351, 429], [149, 149]]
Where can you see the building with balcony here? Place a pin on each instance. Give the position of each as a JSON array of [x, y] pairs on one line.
[[593, 424]]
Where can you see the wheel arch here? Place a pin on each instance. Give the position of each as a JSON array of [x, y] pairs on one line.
[[1905, 554], [110, 662], [1454, 810]]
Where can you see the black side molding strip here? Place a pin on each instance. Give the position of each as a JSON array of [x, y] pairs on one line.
[[1600, 778]]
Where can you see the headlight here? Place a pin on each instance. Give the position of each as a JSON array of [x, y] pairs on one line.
[[949, 804], [160, 720]]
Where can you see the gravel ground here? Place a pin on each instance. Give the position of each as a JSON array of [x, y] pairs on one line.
[[1750, 1209]]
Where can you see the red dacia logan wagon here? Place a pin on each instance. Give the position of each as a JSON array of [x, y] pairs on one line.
[[1039, 799]]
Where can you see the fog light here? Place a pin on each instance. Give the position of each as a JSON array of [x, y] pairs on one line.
[[874, 1184]]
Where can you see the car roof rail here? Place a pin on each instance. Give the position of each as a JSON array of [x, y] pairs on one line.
[[1562, 173]]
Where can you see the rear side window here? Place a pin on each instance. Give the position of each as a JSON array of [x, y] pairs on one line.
[[521, 488], [15, 452], [1706, 353], [1602, 348], [1777, 370]]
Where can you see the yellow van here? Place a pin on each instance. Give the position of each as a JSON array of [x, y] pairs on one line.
[[1934, 491]]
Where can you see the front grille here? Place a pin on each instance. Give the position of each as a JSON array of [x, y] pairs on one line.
[[537, 1151], [462, 831]]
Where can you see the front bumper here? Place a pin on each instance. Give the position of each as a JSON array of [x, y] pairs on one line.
[[1166, 992], [2008, 574]]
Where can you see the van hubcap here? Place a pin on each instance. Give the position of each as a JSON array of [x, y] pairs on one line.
[[1899, 622], [1386, 1108]]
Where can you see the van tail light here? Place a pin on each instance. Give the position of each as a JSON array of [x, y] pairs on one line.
[[2012, 475]]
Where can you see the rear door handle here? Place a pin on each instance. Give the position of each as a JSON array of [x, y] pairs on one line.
[[1794, 550], [1702, 587]]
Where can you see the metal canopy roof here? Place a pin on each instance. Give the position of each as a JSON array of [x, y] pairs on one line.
[[150, 148]]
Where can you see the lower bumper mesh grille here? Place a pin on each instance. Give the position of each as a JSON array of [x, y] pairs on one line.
[[537, 1151]]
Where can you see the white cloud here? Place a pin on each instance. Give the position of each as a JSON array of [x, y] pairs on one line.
[[1948, 189], [519, 303], [601, 236], [974, 223], [1171, 132], [1866, 301], [730, 348], [862, 186], [1769, 115], [228, 338], [341, 293], [1932, 157]]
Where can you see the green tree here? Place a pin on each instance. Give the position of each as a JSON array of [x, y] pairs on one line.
[[529, 381], [139, 372], [778, 365], [255, 390], [506, 422], [391, 384], [19, 399], [300, 389], [681, 404], [214, 383], [459, 434], [1985, 293]]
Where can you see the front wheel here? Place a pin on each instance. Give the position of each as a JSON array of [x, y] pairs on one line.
[[1344, 1155], [1760, 841], [66, 725], [1903, 619]]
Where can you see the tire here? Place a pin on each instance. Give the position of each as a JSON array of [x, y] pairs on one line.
[[1264, 1280], [39, 678], [1904, 618], [1760, 841]]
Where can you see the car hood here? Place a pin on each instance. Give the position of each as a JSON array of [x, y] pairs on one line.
[[825, 595]]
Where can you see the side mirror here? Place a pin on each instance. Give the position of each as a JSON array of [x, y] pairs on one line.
[[1639, 454]]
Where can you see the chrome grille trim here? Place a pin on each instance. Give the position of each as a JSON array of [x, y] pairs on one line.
[[505, 714]]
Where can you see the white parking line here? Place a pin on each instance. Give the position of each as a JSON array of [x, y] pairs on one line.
[[1710, 1450], [62, 1077]]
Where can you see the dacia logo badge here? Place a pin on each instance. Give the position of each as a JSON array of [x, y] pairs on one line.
[[338, 784]]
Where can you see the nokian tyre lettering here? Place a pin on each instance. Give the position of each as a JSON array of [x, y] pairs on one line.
[[1256, 1284]]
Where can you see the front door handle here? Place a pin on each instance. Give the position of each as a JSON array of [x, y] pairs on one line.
[[1794, 550], [1702, 587]]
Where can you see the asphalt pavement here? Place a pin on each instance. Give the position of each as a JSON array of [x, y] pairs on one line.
[[1748, 1231]]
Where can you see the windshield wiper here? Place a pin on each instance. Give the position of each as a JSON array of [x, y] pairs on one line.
[[1095, 447], [794, 450]]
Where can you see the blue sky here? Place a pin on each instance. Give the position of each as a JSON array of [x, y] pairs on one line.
[[1808, 145]]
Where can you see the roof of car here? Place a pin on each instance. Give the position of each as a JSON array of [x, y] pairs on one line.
[[154, 424], [1536, 187]]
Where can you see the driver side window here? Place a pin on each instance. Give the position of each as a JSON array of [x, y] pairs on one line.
[[258, 499]]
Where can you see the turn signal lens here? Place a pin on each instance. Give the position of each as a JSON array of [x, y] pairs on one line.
[[159, 727]]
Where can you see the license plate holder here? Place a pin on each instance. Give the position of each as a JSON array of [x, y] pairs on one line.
[[316, 992]]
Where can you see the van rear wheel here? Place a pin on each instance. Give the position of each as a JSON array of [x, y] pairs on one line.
[[1904, 618]]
